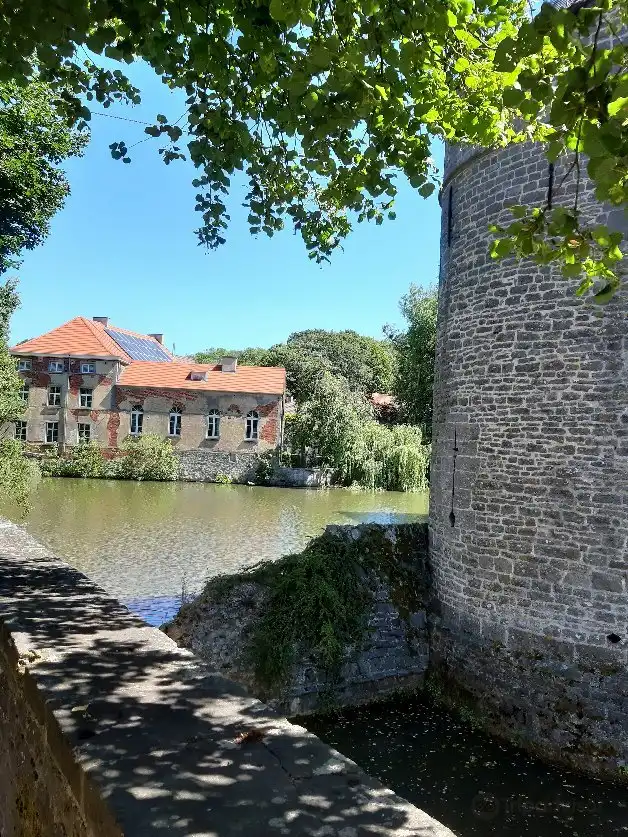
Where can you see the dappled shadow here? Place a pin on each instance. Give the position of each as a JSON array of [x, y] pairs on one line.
[[174, 748]]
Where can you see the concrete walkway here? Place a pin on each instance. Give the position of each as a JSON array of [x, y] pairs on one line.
[[116, 730]]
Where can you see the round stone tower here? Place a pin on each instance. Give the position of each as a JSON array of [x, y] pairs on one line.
[[529, 496]]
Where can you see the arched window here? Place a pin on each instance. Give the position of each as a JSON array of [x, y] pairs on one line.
[[252, 426], [213, 425], [174, 427], [137, 420]]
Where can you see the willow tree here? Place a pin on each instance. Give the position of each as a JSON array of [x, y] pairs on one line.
[[323, 104]]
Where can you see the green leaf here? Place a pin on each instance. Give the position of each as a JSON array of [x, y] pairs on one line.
[[606, 294], [452, 20], [278, 10], [618, 105], [462, 64]]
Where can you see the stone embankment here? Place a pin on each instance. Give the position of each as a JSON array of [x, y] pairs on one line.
[[393, 654], [108, 729]]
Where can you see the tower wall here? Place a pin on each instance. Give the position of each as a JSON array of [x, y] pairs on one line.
[[529, 495]]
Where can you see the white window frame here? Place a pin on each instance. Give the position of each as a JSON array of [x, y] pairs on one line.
[[82, 438], [137, 420], [252, 426], [52, 429], [24, 366], [88, 368], [54, 398], [19, 432], [86, 395], [25, 392], [56, 366], [213, 424], [174, 422]]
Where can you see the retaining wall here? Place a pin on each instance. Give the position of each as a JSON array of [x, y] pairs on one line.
[[108, 729], [394, 654]]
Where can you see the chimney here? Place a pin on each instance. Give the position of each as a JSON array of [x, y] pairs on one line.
[[158, 337], [102, 320], [229, 363]]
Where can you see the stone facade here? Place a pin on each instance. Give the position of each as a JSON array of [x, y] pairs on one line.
[[529, 478], [108, 729], [393, 656]]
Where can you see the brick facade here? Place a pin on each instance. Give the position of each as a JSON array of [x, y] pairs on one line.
[[109, 416]]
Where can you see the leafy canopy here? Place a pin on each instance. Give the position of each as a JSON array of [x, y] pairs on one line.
[[321, 103], [569, 70], [367, 365], [34, 139], [416, 352], [337, 426], [18, 475]]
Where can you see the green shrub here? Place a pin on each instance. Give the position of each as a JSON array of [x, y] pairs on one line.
[[223, 479], [86, 460], [265, 468], [148, 457], [18, 474]]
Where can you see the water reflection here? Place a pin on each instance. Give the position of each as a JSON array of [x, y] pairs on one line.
[[476, 785], [145, 542]]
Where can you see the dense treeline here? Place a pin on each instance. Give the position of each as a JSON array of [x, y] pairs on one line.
[[332, 376]]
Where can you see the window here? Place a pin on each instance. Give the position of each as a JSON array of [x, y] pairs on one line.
[[54, 396], [24, 393], [213, 424], [137, 420], [55, 366], [252, 426], [85, 398], [23, 365], [20, 431], [198, 376], [174, 428], [52, 432], [88, 368], [84, 433]]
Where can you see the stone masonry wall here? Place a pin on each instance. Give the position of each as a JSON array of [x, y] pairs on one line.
[[394, 655], [108, 729], [206, 465], [529, 477]]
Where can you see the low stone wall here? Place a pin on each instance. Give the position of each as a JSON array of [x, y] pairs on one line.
[[108, 729], [302, 477], [394, 655], [205, 465]]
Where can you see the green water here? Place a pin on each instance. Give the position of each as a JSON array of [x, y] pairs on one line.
[[145, 542]]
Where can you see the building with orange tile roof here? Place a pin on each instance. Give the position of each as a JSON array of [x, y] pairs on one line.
[[90, 380]]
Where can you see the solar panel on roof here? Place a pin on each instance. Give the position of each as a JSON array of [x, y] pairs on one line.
[[139, 348]]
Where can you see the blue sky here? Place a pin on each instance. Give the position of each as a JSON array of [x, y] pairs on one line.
[[124, 247]]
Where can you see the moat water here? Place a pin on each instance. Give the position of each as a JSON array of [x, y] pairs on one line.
[[149, 543]]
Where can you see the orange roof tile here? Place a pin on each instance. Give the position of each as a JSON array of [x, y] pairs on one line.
[[79, 337], [269, 380]]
